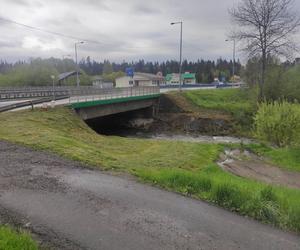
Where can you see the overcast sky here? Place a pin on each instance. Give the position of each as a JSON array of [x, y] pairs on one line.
[[124, 30]]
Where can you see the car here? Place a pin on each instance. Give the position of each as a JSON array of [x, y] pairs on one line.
[[223, 85]]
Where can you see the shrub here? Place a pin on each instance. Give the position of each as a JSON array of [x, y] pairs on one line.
[[278, 123]]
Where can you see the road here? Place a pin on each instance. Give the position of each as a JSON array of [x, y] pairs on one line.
[[70, 207], [6, 103], [67, 101]]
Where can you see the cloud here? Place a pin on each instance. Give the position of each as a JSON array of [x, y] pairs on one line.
[[146, 10], [124, 30]]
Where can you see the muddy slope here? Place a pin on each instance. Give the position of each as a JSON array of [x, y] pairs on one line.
[[177, 114], [249, 165]]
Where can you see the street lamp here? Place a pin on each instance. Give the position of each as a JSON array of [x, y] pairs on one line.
[[180, 61], [77, 77], [233, 67], [53, 95]]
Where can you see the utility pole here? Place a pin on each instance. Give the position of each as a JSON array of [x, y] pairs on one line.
[[234, 52], [53, 95], [180, 55], [77, 73]]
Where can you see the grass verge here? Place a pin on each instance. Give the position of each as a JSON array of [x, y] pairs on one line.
[[188, 168], [12, 240]]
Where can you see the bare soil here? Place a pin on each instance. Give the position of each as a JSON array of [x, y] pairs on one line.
[[249, 165], [178, 115]]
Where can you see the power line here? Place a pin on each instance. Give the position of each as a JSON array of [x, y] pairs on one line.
[[49, 32]]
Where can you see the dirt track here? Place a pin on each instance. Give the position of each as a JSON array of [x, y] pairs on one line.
[[69, 207], [246, 164]]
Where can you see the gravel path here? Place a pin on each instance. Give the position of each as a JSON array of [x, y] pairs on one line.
[[69, 207]]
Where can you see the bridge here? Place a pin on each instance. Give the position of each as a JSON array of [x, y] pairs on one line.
[[89, 102]]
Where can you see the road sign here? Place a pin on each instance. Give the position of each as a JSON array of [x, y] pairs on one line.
[[130, 72]]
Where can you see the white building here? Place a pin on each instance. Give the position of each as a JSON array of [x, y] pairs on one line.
[[140, 79], [98, 81]]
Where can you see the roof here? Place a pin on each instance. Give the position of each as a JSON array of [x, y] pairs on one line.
[[66, 75], [186, 75], [148, 75], [145, 76], [97, 78], [189, 75]]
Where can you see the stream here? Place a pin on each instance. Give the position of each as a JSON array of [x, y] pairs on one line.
[[182, 137]]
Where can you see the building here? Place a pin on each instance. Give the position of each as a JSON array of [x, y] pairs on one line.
[[98, 81], [63, 77], [187, 78], [140, 79]]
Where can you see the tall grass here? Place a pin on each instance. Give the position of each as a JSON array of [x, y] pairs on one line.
[[278, 122], [273, 205], [12, 240]]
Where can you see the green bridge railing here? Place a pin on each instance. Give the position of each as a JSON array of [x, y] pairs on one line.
[[115, 95]]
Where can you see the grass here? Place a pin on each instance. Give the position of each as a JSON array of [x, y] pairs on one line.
[[286, 158], [62, 132], [188, 168], [237, 102], [12, 240], [227, 100]]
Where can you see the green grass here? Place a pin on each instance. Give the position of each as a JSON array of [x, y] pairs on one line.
[[274, 205], [228, 100], [188, 168], [286, 158], [240, 103], [12, 240], [62, 132]]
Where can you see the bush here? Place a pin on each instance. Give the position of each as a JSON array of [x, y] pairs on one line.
[[278, 123]]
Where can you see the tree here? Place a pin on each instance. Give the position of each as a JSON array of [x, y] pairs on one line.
[[267, 28], [107, 67]]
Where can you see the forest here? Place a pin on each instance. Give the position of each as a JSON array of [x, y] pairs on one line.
[[37, 71]]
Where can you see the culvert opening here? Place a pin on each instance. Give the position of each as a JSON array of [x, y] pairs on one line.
[[123, 124]]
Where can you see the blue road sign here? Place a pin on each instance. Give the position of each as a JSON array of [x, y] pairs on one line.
[[130, 72]]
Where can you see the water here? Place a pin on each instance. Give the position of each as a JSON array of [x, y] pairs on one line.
[[190, 138]]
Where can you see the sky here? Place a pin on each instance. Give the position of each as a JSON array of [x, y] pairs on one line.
[[117, 30]]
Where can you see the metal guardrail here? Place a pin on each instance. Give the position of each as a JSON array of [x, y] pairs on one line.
[[29, 103], [106, 94], [40, 92]]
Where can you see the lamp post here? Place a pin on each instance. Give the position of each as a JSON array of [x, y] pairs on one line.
[[180, 52], [53, 95], [233, 66], [77, 74]]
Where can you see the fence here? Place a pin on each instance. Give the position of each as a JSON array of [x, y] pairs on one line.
[[40, 92], [105, 94]]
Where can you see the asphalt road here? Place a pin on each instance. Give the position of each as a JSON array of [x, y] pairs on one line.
[[69, 207]]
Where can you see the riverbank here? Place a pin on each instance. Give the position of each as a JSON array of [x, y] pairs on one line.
[[188, 168]]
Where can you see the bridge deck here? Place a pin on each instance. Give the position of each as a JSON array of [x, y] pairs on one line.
[[91, 103], [75, 97]]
